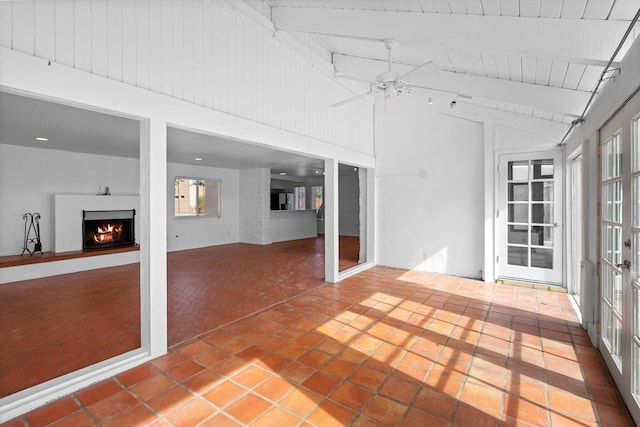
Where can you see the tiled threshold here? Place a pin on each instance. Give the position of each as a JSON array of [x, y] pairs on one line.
[[533, 285], [386, 347]]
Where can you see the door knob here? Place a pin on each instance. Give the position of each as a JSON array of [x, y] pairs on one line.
[[626, 264]]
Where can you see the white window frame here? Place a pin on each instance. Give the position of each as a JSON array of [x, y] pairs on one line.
[[217, 214]]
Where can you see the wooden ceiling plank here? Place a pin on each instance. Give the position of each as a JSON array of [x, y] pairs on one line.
[[558, 73], [589, 40], [491, 7], [574, 74], [457, 7], [590, 77], [529, 70], [543, 71], [489, 63], [442, 6], [597, 9], [509, 8], [394, 6], [547, 129], [573, 9], [427, 6], [502, 66], [474, 7], [515, 67], [458, 64], [477, 63], [550, 8], [413, 5], [624, 10], [530, 8]]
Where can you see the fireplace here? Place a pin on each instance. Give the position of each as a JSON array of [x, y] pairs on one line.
[[106, 229]]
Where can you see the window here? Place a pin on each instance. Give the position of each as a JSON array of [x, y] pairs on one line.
[[195, 197], [299, 198], [316, 194], [317, 200]]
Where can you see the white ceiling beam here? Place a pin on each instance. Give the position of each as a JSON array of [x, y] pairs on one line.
[[546, 129], [563, 101], [562, 38]]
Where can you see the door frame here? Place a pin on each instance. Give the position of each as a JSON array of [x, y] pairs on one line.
[[574, 232], [623, 372], [500, 213]]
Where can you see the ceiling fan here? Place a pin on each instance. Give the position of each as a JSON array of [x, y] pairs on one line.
[[392, 83]]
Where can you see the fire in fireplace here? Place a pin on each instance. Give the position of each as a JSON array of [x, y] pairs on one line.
[[102, 229]]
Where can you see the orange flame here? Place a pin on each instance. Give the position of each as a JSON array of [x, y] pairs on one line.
[[107, 233]]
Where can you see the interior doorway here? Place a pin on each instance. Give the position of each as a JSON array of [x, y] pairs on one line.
[[352, 221]]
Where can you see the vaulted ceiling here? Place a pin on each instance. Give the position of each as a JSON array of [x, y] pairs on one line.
[[528, 64]]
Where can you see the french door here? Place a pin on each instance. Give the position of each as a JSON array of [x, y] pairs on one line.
[[529, 218], [620, 254]]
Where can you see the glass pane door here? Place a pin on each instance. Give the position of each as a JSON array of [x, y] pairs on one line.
[[532, 248], [620, 256], [612, 264], [635, 270]]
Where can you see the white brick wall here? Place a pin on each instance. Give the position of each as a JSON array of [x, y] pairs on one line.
[[255, 214]]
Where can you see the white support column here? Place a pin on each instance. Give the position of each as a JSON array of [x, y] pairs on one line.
[[331, 238], [371, 208], [153, 235], [363, 214], [490, 172]]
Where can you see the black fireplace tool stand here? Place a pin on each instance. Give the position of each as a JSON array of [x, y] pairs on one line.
[[31, 233]]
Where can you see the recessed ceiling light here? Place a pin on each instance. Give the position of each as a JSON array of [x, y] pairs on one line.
[[283, 173], [41, 138], [198, 158]]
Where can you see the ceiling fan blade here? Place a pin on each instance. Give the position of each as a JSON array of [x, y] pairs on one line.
[[354, 77], [353, 98], [420, 72]]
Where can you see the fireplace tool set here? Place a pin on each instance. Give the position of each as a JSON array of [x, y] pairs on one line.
[[31, 233]]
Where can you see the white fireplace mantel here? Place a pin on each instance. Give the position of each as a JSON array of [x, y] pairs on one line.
[[67, 216]]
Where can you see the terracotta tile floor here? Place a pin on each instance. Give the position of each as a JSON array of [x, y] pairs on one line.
[[45, 332], [386, 347], [41, 339]]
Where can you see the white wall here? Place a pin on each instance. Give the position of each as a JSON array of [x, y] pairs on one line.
[[429, 190], [293, 225], [190, 233], [29, 176], [215, 54], [255, 207]]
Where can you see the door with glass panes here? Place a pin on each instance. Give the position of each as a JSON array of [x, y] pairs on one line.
[[620, 254], [529, 218]]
